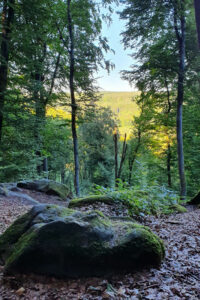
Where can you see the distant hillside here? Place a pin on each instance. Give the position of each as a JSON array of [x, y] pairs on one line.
[[123, 105]]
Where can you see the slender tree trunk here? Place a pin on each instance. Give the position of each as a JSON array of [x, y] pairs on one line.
[[197, 15], [124, 149], [123, 156], [115, 138], [45, 166], [169, 166], [180, 33], [40, 109], [133, 157], [73, 99], [62, 175], [168, 137], [7, 20], [180, 151], [41, 102]]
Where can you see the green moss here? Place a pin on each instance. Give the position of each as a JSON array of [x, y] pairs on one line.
[[97, 219], [20, 247], [65, 212], [144, 242], [60, 189], [60, 211], [50, 206], [99, 213], [90, 200], [124, 228], [13, 233], [178, 208], [153, 242]]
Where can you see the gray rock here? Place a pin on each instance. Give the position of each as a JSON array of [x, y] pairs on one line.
[[62, 242], [11, 190], [15, 189], [6, 187], [3, 191], [23, 197], [47, 186]]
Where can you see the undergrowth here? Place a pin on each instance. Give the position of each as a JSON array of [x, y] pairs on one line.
[[141, 200]]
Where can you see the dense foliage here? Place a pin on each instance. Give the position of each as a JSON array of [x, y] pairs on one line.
[[36, 110], [141, 200]]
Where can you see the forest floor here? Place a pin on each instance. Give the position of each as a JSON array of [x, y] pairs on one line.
[[177, 278]]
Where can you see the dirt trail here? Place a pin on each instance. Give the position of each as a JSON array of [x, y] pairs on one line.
[[177, 278]]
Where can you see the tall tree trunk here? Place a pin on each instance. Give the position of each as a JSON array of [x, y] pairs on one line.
[[180, 33], [41, 102], [133, 157], [115, 138], [180, 151], [73, 99], [62, 174], [40, 109], [197, 16], [169, 165], [7, 21], [123, 156], [168, 137]]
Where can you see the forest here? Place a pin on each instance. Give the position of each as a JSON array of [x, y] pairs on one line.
[[92, 180]]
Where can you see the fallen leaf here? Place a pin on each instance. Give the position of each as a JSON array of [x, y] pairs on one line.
[[20, 291]]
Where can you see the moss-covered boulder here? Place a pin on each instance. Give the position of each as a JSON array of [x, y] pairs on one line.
[[47, 186], [58, 241]]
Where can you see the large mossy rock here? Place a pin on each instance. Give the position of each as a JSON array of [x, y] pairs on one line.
[[47, 186], [53, 240]]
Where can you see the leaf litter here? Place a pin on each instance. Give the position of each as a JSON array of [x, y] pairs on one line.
[[177, 278]]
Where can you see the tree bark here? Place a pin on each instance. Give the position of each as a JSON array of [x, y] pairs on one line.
[[7, 21], [41, 102], [73, 99], [169, 155], [180, 151], [133, 157], [180, 34], [115, 138], [40, 109], [169, 166], [62, 175], [197, 16], [124, 149]]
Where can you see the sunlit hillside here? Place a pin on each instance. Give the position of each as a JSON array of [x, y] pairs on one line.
[[123, 105]]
